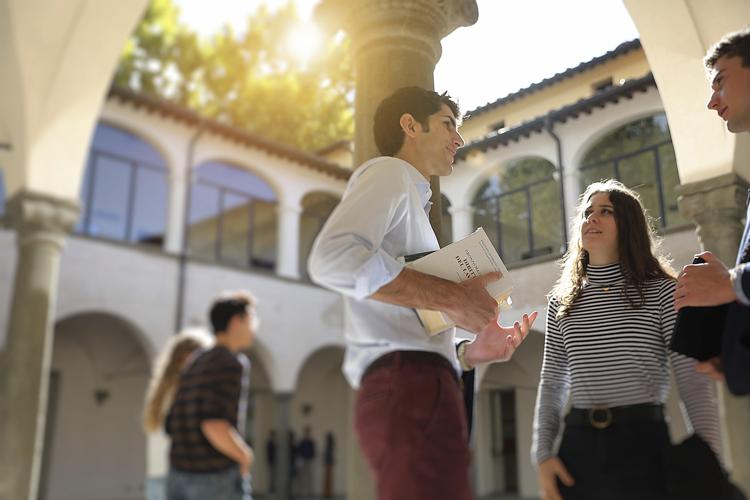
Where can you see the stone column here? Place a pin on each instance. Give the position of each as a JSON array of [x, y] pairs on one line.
[[463, 221], [283, 409], [175, 229], [41, 223], [717, 207], [288, 247], [395, 43]]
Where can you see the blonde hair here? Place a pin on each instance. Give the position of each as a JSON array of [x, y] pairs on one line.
[[166, 374]]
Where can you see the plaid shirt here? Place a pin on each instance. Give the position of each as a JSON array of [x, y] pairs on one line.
[[214, 385]]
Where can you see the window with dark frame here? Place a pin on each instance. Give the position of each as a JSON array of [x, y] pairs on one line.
[[233, 217], [519, 209], [641, 156], [124, 190]]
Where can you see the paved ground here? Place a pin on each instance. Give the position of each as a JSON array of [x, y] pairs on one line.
[[491, 497]]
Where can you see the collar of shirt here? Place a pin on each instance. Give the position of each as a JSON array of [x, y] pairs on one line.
[[423, 185]]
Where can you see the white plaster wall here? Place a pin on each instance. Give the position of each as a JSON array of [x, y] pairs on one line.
[[322, 385], [7, 275]]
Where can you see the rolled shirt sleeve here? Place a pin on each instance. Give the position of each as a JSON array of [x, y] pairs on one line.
[[348, 254]]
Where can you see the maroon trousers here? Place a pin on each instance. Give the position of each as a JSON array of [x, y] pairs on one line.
[[410, 420]]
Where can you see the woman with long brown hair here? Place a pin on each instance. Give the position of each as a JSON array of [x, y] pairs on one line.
[[609, 322], [166, 375]]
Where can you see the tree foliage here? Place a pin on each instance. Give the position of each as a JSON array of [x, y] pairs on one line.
[[250, 79]]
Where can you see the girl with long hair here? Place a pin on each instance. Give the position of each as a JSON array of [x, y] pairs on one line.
[[166, 375], [609, 323]]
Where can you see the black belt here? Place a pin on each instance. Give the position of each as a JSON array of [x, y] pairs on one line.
[[601, 418], [411, 357]]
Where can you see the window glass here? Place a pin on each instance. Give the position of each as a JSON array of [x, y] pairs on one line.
[[640, 155], [124, 189], [233, 217], [519, 209]]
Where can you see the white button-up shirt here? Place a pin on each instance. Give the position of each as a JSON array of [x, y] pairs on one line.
[[382, 217]]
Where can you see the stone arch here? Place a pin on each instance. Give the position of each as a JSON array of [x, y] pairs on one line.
[[145, 133], [230, 161], [497, 162], [320, 402], [100, 370], [608, 126], [504, 416]]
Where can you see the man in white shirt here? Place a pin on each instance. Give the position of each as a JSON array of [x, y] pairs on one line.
[[409, 413]]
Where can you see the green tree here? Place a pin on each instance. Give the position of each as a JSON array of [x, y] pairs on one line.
[[251, 80]]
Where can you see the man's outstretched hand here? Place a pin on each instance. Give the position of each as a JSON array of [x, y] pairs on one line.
[[496, 343]]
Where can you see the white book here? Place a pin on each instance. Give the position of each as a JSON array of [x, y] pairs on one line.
[[465, 259]]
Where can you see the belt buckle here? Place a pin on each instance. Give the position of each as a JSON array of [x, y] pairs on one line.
[[600, 423]]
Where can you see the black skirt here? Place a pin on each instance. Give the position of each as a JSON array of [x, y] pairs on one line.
[[625, 461]]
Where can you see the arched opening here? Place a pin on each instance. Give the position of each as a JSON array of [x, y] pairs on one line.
[[124, 193], [94, 442], [519, 208], [641, 156], [505, 410], [232, 217], [316, 207], [320, 403]]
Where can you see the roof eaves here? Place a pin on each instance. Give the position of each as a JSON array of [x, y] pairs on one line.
[[586, 105], [190, 117]]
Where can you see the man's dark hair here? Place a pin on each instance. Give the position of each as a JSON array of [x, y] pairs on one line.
[[736, 44], [227, 306], [416, 101]]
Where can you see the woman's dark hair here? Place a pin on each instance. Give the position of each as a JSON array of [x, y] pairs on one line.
[[416, 101], [637, 247]]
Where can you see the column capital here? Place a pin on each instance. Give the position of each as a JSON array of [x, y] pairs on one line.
[[717, 207], [289, 208], [726, 193], [35, 215], [378, 23]]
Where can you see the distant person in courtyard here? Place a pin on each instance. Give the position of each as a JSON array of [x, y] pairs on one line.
[[409, 413], [609, 324], [209, 458], [329, 460], [306, 453], [712, 283], [271, 460]]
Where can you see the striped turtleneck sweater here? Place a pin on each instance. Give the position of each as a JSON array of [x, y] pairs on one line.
[[605, 353]]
